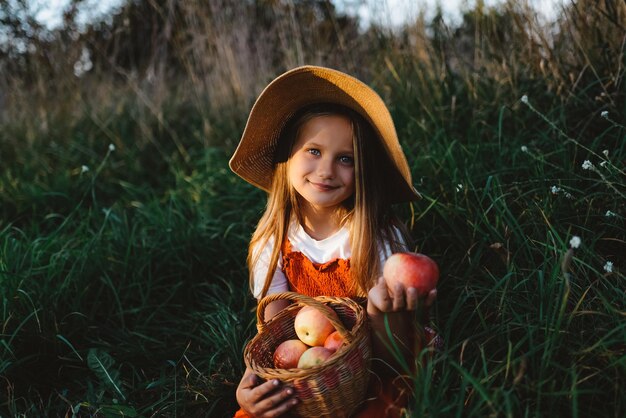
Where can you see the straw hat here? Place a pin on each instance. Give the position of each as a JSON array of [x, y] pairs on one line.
[[253, 159]]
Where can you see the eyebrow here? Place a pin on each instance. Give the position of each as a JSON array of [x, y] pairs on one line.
[[315, 144]]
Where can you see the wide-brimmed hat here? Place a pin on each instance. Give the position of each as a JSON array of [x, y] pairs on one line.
[[253, 159]]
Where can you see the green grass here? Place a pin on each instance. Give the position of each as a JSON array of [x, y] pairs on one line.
[[153, 281], [123, 285], [125, 298]]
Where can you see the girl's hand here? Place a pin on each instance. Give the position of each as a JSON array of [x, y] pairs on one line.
[[392, 317], [383, 299], [268, 399]]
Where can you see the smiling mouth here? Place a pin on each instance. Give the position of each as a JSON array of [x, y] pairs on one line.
[[323, 187]]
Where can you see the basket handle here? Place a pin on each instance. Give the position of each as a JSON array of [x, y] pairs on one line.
[[328, 312]]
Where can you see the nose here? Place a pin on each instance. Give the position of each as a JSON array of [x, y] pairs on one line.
[[325, 168]]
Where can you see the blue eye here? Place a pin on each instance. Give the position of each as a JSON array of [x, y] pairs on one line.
[[314, 151], [346, 160]]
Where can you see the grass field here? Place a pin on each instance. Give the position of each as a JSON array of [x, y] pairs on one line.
[[123, 234]]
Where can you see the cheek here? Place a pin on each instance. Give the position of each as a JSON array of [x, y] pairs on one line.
[[349, 173], [297, 166], [305, 164], [292, 164], [348, 177]]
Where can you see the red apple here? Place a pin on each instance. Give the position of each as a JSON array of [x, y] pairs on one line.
[[288, 353], [333, 341], [313, 356], [312, 326], [411, 270]]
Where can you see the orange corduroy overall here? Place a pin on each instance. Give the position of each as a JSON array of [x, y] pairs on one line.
[[384, 398]]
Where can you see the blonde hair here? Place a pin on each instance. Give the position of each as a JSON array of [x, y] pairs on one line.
[[369, 210]]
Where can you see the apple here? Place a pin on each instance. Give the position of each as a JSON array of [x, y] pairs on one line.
[[411, 270], [313, 356], [312, 326], [288, 353], [333, 341]]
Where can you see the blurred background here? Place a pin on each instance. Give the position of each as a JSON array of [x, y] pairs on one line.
[[123, 234], [211, 58]]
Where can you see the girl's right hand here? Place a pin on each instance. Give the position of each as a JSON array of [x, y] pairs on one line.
[[268, 399], [380, 299]]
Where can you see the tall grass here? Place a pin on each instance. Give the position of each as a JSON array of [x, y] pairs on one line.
[[122, 276], [123, 234]]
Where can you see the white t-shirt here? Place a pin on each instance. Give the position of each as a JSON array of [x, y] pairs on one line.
[[320, 252]]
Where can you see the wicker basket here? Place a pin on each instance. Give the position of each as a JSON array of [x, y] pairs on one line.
[[336, 387]]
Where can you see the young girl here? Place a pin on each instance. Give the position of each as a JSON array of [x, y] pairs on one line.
[[324, 147]]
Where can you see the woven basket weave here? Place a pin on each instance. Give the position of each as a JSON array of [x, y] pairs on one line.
[[334, 388]]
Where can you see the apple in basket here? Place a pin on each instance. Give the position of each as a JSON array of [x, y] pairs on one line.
[[411, 270], [333, 341], [288, 353], [312, 326], [314, 356]]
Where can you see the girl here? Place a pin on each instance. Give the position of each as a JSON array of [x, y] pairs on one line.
[[324, 147]]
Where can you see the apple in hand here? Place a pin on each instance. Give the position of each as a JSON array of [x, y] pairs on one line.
[[333, 341], [288, 353], [312, 326], [411, 270], [313, 356]]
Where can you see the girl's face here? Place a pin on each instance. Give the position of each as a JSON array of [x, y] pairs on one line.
[[321, 164]]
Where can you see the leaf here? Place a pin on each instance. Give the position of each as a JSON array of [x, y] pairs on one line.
[[101, 363], [69, 344], [112, 411], [108, 411]]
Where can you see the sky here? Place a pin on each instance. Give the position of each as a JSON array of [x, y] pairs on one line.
[[397, 12], [387, 12], [50, 12]]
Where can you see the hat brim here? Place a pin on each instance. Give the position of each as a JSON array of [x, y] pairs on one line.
[[253, 159]]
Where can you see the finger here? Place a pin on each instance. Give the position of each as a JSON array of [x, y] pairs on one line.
[[253, 380], [250, 381], [430, 298], [380, 283], [398, 298], [379, 297], [412, 299], [264, 390], [285, 406], [278, 402]]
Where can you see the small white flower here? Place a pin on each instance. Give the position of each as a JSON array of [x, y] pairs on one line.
[[575, 241], [610, 214], [587, 165], [606, 153], [84, 169], [459, 187], [555, 189], [608, 267], [568, 195], [111, 147], [524, 148], [524, 99], [603, 164], [605, 114]]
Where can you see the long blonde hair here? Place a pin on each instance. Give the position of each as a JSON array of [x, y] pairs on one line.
[[369, 210]]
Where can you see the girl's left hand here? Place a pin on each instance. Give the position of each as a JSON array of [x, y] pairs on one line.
[[383, 299]]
